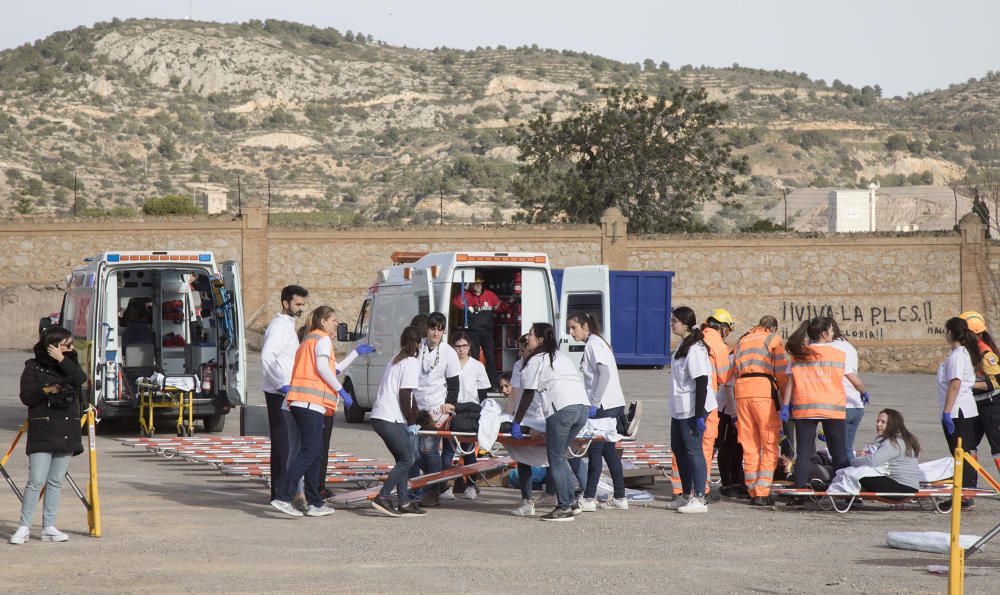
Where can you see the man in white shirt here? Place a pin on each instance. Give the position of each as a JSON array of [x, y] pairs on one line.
[[277, 357]]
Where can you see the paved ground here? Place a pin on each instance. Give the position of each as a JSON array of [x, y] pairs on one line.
[[173, 526]]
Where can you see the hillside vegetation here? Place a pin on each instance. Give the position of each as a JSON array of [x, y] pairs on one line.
[[344, 124]]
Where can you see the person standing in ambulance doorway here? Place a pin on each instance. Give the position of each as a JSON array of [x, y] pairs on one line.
[[437, 394], [857, 395], [691, 400], [312, 392], [759, 372], [479, 305], [277, 356], [815, 395], [955, 378], [551, 376], [986, 390]]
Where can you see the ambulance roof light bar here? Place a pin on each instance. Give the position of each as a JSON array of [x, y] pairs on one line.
[[405, 257], [499, 257]]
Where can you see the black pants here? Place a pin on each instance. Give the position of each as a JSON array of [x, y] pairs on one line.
[[277, 426], [484, 339], [327, 433], [988, 425], [730, 452], [885, 484], [965, 428], [805, 446]]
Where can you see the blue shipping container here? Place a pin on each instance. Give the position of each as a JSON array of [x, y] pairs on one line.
[[640, 316]]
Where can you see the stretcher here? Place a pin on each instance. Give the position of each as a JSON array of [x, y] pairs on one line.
[[936, 499], [578, 448], [429, 479], [153, 397]]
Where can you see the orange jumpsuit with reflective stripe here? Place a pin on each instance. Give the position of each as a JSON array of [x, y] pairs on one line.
[[759, 365], [722, 369], [307, 385], [819, 385]]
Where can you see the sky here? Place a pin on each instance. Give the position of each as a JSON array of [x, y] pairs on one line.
[[903, 46]]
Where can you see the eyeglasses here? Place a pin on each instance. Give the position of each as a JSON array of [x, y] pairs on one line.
[[461, 346]]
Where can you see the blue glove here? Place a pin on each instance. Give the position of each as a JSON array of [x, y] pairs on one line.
[[364, 349], [348, 401], [948, 423], [865, 397], [784, 413], [515, 431], [337, 371], [593, 412], [284, 390], [412, 430], [699, 423]]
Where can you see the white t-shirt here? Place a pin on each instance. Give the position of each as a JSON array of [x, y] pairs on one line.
[[595, 352], [277, 356], [404, 374], [957, 365], [472, 378], [683, 372], [558, 385], [850, 367], [435, 366]]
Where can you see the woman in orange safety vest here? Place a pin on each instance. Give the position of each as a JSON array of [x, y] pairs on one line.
[[313, 392], [815, 394]]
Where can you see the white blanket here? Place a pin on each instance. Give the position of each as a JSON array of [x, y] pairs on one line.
[[848, 479]]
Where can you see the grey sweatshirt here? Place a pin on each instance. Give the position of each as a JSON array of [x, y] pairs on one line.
[[902, 468]]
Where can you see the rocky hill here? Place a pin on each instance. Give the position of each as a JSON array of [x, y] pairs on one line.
[[318, 121]]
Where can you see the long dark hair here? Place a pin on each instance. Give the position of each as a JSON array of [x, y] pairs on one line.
[[896, 429], [958, 330], [986, 338], [317, 316], [836, 331], [547, 333], [54, 335], [409, 344], [809, 330], [593, 327], [687, 317], [522, 343]]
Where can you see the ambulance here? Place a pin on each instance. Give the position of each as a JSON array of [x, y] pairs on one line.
[[177, 313], [421, 283]]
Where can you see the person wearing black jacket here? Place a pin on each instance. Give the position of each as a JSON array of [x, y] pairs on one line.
[[50, 387]]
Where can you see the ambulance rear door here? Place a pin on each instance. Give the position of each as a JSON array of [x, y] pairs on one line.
[[236, 350], [584, 289], [423, 289]]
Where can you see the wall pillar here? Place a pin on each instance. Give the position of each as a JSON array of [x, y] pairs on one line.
[[254, 261], [614, 239], [974, 270]]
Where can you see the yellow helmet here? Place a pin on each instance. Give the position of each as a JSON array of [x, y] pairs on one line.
[[722, 315], [975, 320]]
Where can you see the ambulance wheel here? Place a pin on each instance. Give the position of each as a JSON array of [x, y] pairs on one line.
[[214, 423], [354, 414]]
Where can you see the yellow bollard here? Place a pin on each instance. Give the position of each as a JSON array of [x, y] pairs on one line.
[[94, 512], [956, 564]]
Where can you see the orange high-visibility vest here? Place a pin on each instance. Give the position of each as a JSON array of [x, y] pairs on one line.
[[819, 385], [307, 385], [759, 352], [719, 354]]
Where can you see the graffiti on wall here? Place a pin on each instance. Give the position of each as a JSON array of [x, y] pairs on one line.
[[865, 321]]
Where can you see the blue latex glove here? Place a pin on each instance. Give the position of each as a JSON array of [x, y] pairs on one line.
[[364, 349], [284, 390], [337, 371], [948, 423], [865, 397], [348, 401], [412, 430], [515, 431], [699, 423], [593, 412], [784, 413]]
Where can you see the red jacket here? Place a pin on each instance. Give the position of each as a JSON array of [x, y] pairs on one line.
[[481, 308]]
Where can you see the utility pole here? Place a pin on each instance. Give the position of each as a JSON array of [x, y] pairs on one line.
[[239, 197], [784, 195], [269, 197], [441, 205], [76, 211]]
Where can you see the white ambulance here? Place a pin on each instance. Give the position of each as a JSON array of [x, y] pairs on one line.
[[421, 283], [178, 313]]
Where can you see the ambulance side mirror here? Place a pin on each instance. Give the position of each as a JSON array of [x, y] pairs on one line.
[[342, 334]]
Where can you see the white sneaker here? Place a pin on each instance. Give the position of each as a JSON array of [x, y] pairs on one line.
[[677, 502], [588, 504], [527, 508], [319, 511], [470, 493], [448, 494], [286, 507], [695, 505], [53, 534], [613, 503], [548, 500], [21, 536]]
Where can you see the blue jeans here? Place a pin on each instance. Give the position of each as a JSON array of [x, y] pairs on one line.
[[685, 442], [854, 415], [560, 429], [44, 469], [428, 461], [404, 449], [308, 462]]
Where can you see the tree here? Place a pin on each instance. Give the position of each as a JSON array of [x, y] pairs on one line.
[[654, 158], [170, 205]]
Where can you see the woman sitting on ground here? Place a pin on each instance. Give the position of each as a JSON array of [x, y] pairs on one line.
[[897, 448]]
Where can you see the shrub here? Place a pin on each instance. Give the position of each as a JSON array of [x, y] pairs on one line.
[[170, 205]]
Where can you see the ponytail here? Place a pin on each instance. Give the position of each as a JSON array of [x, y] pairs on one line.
[[547, 333], [958, 330], [809, 330], [593, 327], [686, 316], [988, 340]]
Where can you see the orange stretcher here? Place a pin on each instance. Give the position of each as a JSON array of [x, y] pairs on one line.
[[928, 498], [429, 479]]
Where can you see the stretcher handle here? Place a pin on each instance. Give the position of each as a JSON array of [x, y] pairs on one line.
[[462, 451], [581, 452]]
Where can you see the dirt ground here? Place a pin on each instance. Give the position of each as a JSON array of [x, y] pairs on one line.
[[171, 526]]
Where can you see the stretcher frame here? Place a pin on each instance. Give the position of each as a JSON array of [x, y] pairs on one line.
[[153, 397], [931, 499], [535, 439]]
